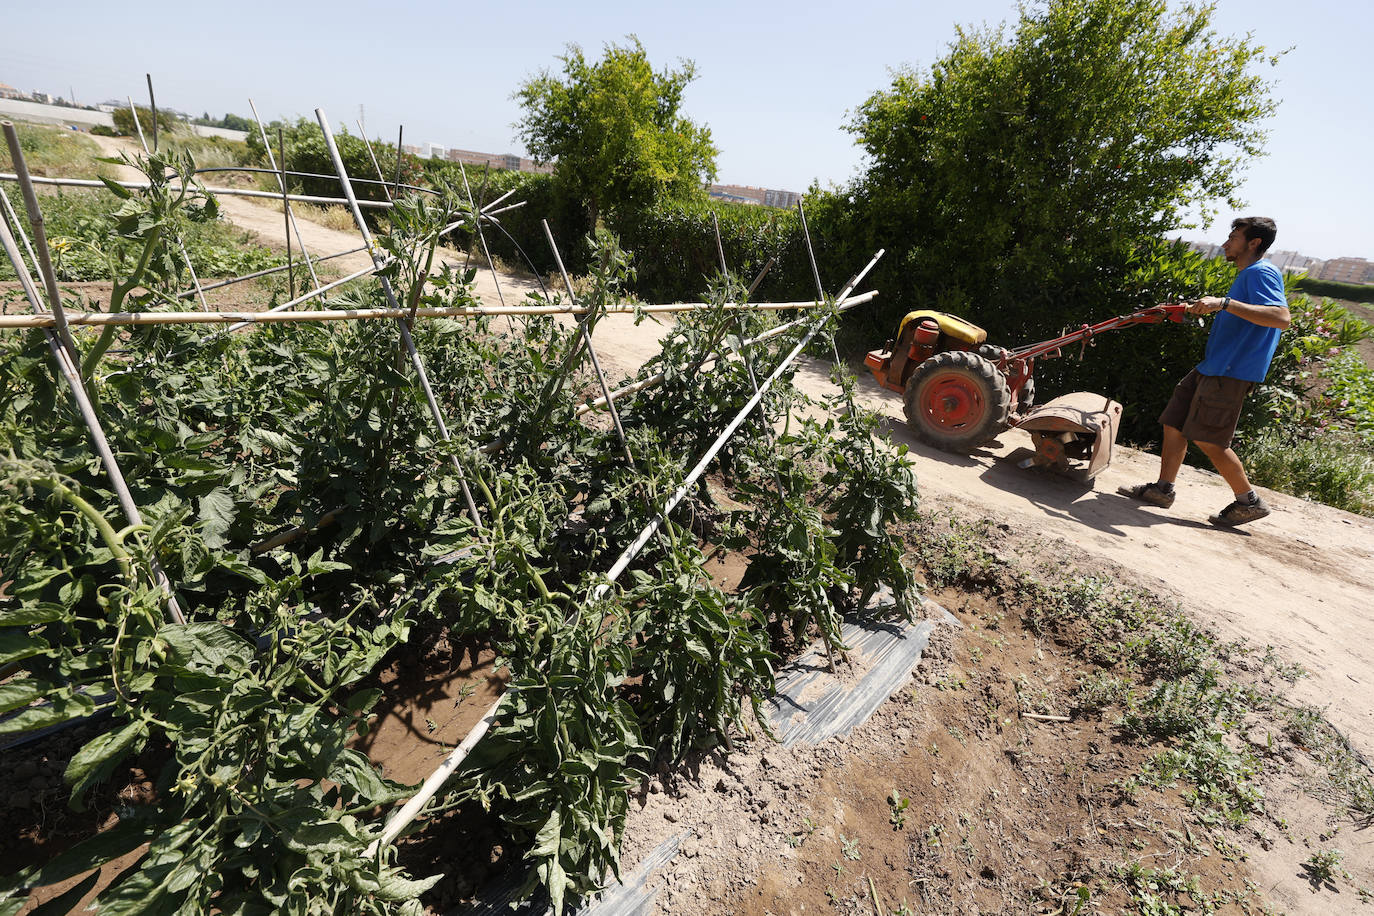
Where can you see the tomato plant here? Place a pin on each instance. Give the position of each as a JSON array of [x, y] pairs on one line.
[[309, 515]]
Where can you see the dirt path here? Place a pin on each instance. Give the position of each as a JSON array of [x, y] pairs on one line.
[[1301, 580], [269, 226]]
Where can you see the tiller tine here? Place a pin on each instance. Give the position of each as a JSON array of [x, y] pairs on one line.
[[1070, 429]]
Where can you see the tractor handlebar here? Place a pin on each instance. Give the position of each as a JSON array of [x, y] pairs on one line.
[[1173, 311]]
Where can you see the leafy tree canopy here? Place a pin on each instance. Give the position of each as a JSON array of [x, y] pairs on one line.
[[1023, 173], [124, 121], [615, 130]]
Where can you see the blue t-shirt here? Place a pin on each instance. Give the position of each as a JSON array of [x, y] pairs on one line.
[[1236, 348]]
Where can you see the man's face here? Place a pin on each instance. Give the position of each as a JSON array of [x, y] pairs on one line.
[[1236, 244]]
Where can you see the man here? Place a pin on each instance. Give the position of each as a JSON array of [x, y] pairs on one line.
[[1206, 404]]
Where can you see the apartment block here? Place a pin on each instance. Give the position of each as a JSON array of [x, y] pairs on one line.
[[1345, 270]]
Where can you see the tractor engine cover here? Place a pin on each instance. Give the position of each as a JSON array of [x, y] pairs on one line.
[[1081, 425]]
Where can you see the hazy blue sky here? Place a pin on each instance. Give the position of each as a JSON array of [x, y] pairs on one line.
[[775, 80]]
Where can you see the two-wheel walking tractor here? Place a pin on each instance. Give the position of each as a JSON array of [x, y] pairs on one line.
[[960, 392]]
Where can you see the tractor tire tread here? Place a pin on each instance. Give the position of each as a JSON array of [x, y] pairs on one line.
[[982, 373]]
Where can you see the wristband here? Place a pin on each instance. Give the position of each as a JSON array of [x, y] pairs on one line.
[[1226, 303]]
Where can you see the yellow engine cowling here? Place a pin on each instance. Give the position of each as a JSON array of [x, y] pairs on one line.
[[951, 325]]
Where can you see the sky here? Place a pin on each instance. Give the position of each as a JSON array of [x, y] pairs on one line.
[[776, 82]]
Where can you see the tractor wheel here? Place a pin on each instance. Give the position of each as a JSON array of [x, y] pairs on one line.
[[956, 401], [1026, 399]]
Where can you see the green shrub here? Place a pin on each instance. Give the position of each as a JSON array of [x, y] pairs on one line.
[[124, 122], [1362, 292], [306, 152], [209, 152], [683, 240], [1331, 467], [1350, 393], [52, 152]]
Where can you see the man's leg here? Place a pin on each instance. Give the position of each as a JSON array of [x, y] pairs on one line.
[[1228, 465], [1171, 454]]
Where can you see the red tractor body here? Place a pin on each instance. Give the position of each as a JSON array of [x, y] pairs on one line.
[[959, 391]]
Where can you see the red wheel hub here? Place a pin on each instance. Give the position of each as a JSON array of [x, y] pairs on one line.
[[953, 401]]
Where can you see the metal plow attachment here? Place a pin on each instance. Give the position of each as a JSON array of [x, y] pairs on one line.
[[1069, 430]]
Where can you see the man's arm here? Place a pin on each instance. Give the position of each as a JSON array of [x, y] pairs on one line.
[[1266, 316]]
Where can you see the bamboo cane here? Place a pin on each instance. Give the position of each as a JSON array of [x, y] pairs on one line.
[[482, 236], [408, 341], [412, 808], [280, 176], [259, 170], [386, 188], [279, 314], [591, 350], [187, 293], [68, 367], [41, 258], [185, 255], [228, 192]]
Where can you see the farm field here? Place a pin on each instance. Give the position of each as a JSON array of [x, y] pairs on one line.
[[1095, 737]]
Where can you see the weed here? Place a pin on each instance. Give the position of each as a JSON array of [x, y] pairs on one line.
[[1100, 690], [1324, 867], [959, 555], [52, 152], [1291, 672], [1222, 778], [809, 827], [1347, 774], [850, 848], [1331, 466], [897, 813]]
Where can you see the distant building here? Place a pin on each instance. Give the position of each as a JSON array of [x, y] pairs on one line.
[[737, 193], [1344, 270], [1292, 262], [9, 92], [758, 197], [782, 199], [508, 161], [491, 160]]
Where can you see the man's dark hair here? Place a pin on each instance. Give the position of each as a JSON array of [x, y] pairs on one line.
[[1257, 227]]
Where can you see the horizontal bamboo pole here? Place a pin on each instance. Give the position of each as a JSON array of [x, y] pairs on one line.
[[100, 319], [431, 786], [658, 378], [231, 192], [491, 448]]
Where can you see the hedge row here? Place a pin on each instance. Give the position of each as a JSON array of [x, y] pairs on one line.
[[1351, 292]]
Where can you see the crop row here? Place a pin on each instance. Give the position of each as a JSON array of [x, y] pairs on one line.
[[254, 702]]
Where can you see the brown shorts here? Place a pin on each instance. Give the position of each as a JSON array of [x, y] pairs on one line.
[[1206, 408]]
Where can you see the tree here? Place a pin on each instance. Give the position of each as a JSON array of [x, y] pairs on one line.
[[615, 131], [124, 121], [1021, 178]]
